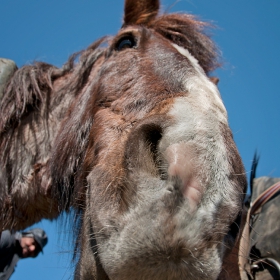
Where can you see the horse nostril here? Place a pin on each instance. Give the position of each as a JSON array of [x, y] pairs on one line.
[[152, 134], [142, 148]]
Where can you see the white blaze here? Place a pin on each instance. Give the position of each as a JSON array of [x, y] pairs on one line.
[[199, 81], [196, 130]]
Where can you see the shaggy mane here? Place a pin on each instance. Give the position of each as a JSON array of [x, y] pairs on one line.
[[31, 91], [30, 85], [26, 89]]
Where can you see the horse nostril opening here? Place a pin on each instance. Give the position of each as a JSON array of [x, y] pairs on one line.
[[142, 152], [153, 134]]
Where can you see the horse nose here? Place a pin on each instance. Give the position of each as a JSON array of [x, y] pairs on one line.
[[151, 150]]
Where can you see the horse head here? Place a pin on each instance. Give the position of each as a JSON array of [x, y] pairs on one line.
[[138, 140]]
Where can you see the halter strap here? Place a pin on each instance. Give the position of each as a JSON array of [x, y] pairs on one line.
[[244, 246]]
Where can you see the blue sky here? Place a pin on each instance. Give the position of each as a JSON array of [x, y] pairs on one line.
[[248, 35]]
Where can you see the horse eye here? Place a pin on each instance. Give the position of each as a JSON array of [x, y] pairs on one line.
[[126, 43]]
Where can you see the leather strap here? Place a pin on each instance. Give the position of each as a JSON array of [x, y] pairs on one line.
[[244, 245]]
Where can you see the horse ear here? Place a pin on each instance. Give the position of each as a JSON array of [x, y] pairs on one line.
[[140, 11], [214, 80]]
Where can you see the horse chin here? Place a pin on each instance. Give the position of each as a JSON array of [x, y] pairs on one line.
[[167, 266], [160, 237]]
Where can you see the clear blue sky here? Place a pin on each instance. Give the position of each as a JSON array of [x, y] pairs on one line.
[[248, 35]]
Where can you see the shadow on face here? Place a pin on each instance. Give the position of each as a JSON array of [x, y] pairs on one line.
[[30, 248]]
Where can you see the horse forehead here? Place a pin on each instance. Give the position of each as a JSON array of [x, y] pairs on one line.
[[137, 81]]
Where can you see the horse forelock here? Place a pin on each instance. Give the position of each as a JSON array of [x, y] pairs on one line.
[[187, 31]]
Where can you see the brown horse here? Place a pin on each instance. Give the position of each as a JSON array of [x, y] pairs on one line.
[[135, 137]]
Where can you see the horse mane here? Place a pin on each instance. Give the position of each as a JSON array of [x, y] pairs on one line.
[[26, 89], [190, 33], [31, 84], [75, 128], [33, 92]]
